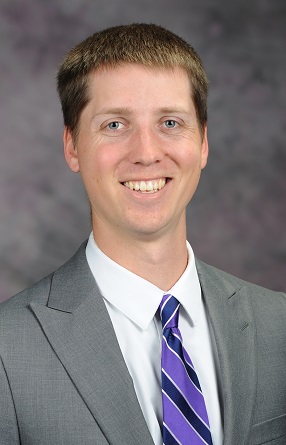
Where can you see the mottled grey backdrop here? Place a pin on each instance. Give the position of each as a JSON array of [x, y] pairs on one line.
[[237, 219]]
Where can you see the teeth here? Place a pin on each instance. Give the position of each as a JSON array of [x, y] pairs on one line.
[[149, 186], [146, 186], [143, 186]]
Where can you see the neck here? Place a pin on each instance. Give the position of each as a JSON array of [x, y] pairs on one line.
[[160, 261]]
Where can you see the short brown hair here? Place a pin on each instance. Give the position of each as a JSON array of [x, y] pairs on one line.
[[139, 43]]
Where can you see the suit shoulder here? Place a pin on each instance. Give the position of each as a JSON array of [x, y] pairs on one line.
[[37, 292], [40, 291], [228, 281]]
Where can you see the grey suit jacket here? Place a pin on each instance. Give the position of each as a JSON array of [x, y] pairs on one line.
[[63, 380]]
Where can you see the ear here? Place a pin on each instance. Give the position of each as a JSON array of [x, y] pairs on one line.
[[70, 151], [205, 149]]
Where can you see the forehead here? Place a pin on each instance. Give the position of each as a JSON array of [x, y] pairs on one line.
[[133, 83]]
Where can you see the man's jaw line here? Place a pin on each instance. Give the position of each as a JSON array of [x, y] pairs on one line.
[[147, 186]]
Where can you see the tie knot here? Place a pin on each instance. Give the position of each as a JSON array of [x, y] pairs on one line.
[[169, 311]]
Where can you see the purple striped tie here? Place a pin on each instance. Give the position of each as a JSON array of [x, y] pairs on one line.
[[185, 419]]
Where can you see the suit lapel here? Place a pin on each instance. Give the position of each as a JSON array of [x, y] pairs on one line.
[[80, 331], [230, 314]]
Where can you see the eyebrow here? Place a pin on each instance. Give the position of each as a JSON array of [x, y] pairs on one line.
[[174, 110], [125, 111], [117, 110]]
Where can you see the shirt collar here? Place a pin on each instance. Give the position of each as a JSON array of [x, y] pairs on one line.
[[137, 298]]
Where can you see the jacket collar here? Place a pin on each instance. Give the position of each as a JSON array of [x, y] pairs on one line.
[[80, 331], [230, 313]]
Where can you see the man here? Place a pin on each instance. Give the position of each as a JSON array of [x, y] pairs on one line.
[[81, 349]]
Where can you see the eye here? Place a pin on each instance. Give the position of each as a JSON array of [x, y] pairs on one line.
[[114, 125], [170, 123]]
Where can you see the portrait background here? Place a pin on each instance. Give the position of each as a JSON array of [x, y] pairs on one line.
[[236, 220]]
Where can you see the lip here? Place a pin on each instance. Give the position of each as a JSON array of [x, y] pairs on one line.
[[138, 179]]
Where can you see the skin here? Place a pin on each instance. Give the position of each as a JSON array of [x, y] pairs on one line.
[[140, 125]]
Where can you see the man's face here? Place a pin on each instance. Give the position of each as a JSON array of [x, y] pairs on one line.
[[139, 150]]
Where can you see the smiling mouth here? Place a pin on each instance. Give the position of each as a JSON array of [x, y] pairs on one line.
[[152, 186]]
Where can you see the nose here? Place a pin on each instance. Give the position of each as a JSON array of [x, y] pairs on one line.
[[146, 147]]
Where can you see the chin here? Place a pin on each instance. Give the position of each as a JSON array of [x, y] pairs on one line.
[[149, 230]]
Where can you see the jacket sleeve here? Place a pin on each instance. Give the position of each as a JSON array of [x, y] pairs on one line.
[[9, 433]]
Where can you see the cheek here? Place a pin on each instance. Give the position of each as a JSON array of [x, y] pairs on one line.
[[101, 166], [106, 158], [188, 159]]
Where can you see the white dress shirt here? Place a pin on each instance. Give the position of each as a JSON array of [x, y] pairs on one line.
[[132, 304]]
